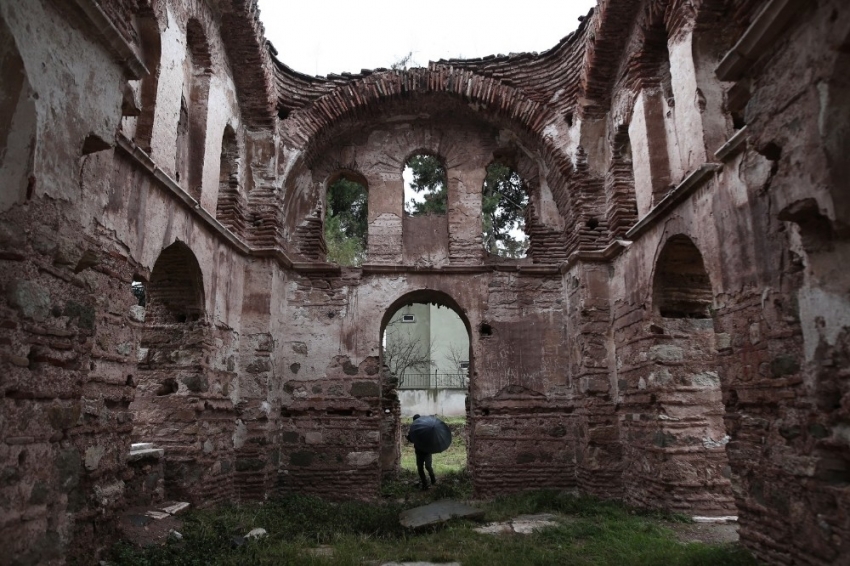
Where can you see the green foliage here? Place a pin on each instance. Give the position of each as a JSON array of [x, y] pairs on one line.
[[589, 532], [503, 203], [504, 199], [346, 222], [429, 178]]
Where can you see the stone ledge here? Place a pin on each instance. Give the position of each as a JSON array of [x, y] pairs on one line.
[[606, 254], [758, 38], [112, 39], [673, 198], [733, 145], [148, 453]]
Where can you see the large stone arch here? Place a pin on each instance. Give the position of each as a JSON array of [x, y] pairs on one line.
[[313, 125], [468, 138]]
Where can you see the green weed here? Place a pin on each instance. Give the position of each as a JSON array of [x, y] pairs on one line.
[[589, 532]]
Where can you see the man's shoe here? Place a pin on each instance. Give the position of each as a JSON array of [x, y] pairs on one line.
[[424, 487]]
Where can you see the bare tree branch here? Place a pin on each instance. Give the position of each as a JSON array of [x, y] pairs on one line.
[[404, 352]]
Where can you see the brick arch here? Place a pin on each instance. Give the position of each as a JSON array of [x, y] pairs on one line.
[[175, 293], [197, 44], [425, 151], [392, 404], [316, 126], [173, 370], [681, 286], [427, 296]]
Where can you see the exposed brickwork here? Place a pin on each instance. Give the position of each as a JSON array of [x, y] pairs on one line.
[[677, 337]]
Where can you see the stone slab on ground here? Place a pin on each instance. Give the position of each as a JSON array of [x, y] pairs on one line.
[[524, 525], [438, 512], [723, 519], [154, 453], [708, 533], [175, 508]]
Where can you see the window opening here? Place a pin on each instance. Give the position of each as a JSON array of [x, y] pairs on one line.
[[503, 202], [682, 288], [425, 186], [346, 221], [138, 288]]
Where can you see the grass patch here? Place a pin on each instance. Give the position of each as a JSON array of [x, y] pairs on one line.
[[589, 532]]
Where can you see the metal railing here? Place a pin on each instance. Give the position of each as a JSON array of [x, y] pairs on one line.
[[434, 381]]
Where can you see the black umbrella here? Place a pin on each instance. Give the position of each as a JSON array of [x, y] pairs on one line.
[[430, 434]]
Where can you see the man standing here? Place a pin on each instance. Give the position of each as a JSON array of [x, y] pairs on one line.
[[423, 461]]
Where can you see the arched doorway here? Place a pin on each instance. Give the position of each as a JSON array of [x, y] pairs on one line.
[[426, 357], [678, 446], [171, 376]]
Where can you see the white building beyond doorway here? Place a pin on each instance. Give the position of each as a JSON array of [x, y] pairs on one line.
[[436, 381]]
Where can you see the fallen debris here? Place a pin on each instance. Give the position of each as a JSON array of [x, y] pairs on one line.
[[176, 508], [523, 525], [438, 512], [257, 533]]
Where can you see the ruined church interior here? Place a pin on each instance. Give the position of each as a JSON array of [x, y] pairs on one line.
[[677, 336]]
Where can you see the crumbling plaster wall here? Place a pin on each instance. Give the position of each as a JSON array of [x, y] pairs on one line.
[[64, 435], [95, 218], [71, 77], [221, 104], [570, 354], [786, 462], [331, 398]]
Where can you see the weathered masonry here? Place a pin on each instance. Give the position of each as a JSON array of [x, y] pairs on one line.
[[678, 336]]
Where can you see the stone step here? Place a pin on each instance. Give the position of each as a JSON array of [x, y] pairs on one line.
[[438, 512], [155, 453]]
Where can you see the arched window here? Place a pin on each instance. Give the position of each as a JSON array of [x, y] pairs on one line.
[[347, 220], [182, 165], [425, 185], [152, 51], [652, 128], [17, 123], [196, 87], [503, 202], [231, 202], [175, 293], [681, 288]]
